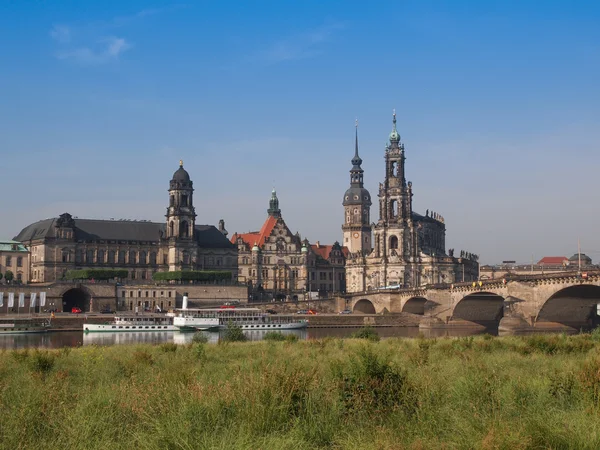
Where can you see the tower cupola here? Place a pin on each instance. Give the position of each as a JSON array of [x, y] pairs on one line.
[[274, 210]]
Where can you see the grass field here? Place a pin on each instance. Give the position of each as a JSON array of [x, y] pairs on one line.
[[481, 393]]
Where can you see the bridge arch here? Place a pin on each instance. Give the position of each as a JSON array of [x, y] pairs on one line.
[[76, 297], [415, 305], [485, 308], [574, 306], [364, 306]]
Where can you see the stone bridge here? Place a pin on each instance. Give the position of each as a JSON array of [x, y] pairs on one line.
[[558, 300]]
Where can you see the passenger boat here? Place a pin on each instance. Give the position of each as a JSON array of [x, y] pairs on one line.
[[133, 323], [246, 318], [25, 325]]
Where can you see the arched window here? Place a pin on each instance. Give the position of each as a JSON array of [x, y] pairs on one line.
[[79, 255], [100, 257], [184, 200], [142, 257], [111, 257], [121, 256], [153, 258], [89, 256], [183, 229], [393, 242], [171, 229], [186, 258], [172, 200], [132, 256]]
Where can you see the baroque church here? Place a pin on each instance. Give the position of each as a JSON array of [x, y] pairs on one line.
[[141, 247], [403, 249], [277, 264]]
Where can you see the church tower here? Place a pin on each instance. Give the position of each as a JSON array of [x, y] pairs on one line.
[[181, 221], [395, 195], [357, 204]]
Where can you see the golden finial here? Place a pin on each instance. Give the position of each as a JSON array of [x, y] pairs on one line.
[[181, 163]]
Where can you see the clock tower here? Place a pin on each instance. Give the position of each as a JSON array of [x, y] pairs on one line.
[[357, 204]]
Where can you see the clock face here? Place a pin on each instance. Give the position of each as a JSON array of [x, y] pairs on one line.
[[355, 235]]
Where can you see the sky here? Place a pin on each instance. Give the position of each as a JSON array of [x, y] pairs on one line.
[[498, 106]]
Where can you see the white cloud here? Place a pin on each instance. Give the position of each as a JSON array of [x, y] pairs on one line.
[[110, 50], [301, 46], [61, 33]]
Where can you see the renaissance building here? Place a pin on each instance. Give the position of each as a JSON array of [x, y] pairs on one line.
[[141, 247], [403, 248], [275, 263]]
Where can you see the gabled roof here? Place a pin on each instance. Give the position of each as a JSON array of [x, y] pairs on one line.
[[324, 250], [556, 260], [256, 237]]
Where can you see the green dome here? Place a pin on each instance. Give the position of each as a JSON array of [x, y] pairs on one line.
[[304, 249], [394, 136], [255, 248]]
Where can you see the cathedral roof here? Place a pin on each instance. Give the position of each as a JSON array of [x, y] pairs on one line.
[[120, 230], [257, 237]]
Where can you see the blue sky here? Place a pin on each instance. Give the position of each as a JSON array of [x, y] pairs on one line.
[[497, 103]]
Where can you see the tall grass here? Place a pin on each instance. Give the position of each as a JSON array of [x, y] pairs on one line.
[[481, 393]]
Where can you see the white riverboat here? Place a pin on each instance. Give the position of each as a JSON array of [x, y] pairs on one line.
[[24, 326], [125, 323], [246, 318]]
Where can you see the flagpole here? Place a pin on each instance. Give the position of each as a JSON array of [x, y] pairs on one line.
[[579, 253]]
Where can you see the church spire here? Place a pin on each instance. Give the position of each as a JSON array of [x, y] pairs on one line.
[[274, 205], [394, 136], [356, 173]]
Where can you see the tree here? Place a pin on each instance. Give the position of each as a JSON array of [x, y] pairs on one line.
[[1, 276], [8, 276]]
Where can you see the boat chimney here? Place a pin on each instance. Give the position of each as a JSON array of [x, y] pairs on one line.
[[185, 301]]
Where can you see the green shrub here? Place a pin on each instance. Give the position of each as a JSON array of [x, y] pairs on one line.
[[366, 332], [168, 347], [200, 338], [291, 338], [42, 362], [96, 274], [373, 385], [274, 336], [233, 333]]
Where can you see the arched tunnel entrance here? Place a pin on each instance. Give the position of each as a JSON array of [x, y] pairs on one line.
[[415, 305], [574, 306], [484, 308], [76, 297], [364, 306]]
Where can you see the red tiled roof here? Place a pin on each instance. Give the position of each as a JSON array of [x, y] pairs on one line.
[[557, 260], [324, 250], [256, 237]]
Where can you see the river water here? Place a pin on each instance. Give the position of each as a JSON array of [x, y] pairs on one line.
[[78, 338]]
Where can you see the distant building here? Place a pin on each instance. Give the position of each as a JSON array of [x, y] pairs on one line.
[[14, 258], [548, 264], [278, 264], [141, 247], [402, 249]]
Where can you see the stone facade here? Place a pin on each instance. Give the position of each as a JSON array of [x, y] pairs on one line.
[[409, 249], [14, 257], [278, 264], [141, 247]]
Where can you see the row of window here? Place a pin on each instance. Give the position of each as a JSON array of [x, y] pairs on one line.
[[8, 261], [131, 257], [146, 294]]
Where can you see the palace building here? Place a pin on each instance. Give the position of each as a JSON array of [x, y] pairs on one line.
[[278, 264], [403, 248], [141, 247]]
